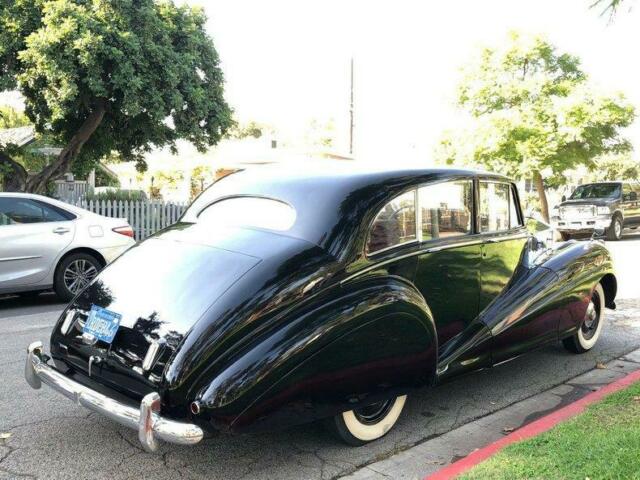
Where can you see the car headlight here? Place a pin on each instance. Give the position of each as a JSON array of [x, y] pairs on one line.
[[603, 210]]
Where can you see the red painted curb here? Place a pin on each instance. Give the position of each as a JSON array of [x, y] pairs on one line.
[[532, 429]]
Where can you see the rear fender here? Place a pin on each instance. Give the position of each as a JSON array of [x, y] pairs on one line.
[[352, 344]]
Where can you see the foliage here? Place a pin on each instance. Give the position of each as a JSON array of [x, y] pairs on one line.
[[610, 7], [534, 112], [12, 118], [252, 129], [201, 177], [101, 76], [612, 428], [615, 167], [117, 195]]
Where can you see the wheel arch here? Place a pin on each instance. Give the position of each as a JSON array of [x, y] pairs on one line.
[[380, 340], [609, 284]]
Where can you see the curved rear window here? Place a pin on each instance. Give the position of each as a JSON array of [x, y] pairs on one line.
[[256, 212]]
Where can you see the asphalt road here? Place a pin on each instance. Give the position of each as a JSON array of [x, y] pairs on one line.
[[53, 438]]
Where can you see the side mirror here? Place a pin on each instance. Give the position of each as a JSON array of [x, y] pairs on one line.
[[564, 198]]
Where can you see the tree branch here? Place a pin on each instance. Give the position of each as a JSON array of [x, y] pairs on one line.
[[57, 168]]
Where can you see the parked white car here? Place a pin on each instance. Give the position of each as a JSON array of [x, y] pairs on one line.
[[48, 244]]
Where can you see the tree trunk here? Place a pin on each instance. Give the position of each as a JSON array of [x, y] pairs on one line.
[[14, 176], [542, 195], [62, 164]]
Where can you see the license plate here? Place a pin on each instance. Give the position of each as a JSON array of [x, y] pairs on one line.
[[102, 324]]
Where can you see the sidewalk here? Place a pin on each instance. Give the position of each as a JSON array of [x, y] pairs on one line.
[[432, 455]]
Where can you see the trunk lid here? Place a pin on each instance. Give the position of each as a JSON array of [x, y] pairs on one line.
[[160, 288]]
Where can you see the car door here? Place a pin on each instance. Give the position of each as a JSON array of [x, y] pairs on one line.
[[505, 242], [32, 235], [447, 271]]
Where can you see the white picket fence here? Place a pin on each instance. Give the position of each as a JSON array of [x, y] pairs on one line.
[[146, 217]]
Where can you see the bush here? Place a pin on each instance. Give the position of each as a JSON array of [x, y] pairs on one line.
[[117, 195]]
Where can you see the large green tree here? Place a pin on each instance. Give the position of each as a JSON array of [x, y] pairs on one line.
[[104, 77], [534, 114]]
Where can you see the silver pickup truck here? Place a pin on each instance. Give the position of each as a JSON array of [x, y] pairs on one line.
[[612, 206]]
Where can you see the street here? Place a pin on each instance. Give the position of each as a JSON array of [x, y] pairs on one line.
[[52, 438]]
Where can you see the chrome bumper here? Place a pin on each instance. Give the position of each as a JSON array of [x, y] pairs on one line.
[[584, 224], [146, 420]]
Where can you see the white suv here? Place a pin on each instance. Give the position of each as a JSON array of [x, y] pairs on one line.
[[48, 244]]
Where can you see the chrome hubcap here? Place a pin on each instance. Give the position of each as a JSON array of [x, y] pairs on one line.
[[591, 318], [78, 275], [372, 414], [618, 228]]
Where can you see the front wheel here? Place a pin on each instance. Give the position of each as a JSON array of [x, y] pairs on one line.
[[614, 232], [365, 424], [591, 327]]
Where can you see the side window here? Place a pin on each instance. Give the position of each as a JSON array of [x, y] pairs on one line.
[[497, 207], [395, 224], [446, 209], [628, 193], [22, 210]]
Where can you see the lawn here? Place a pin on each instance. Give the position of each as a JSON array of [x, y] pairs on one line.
[[601, 443]]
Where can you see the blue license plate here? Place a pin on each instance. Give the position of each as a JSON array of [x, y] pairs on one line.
[[102, 323]]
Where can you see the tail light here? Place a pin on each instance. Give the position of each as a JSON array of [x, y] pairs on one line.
[[126, 231]]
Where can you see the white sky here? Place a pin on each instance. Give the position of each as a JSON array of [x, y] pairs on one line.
[[287, 61]]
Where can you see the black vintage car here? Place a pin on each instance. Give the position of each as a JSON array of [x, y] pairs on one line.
[[286, 297]]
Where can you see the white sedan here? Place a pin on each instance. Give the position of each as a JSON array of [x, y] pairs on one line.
[[48, 244]]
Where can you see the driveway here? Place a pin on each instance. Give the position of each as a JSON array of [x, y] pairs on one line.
[[53, 438]]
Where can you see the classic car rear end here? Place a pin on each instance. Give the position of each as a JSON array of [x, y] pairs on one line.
[[284, 298]]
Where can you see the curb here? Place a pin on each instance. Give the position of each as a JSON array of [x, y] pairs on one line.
[[532, 429]]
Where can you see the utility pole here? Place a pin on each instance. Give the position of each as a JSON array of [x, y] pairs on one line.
[[351, 122]]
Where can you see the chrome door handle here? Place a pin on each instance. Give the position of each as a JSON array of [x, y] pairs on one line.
[[60, 230]]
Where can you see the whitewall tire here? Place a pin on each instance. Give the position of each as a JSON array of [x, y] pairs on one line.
[[363, 425], [590, 328]]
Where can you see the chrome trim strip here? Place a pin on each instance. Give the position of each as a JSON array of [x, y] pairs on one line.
[[474, 239], [28, 257], [150, 425]]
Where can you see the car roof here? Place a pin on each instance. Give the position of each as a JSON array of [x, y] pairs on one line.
[[329, 197]]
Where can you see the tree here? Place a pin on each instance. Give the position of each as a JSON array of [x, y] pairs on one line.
[[535, 115], [103, 77]]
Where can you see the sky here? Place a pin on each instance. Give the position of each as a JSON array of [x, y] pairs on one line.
[[287, 62]]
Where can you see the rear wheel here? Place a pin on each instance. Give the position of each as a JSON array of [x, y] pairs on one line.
[[365, 424], [614, 232], [591, 327], [74, 273]]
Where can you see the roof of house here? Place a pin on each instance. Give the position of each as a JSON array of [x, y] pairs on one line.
[[19, 136]]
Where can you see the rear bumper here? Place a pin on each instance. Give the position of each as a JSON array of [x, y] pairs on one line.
[[146, 420]]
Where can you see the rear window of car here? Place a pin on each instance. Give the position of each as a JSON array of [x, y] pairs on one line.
[[257, 212]]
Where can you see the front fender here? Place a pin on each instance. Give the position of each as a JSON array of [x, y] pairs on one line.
[[580, 266], [351, 344]]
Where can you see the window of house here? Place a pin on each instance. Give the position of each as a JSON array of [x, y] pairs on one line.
[[446, 209], [395, 224], [498, 210]]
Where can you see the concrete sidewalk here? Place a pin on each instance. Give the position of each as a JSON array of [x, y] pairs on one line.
[[430, 456]]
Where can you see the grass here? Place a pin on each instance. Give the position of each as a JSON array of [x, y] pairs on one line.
[[601, 443]]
